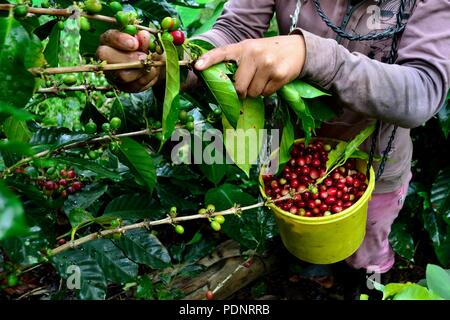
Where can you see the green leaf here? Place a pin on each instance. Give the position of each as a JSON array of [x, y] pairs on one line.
[[440, 194], [51, 51], [287, 139], [171, 104], [244, 144], [116, 266], [199, 250], [12, 216], [92, 279], [293, 93], [412, 291], [344, 150], [155, 10], [85, 198], [207, 25], [438, 281], [439, 233], [402, 241], [16, 83], [224, 92], [307, 91], [133, 207], [143, 247], [214, 172], [144, 290], [138, 159], [320, 111], [78, 216], [16, 130], [253, 228], [7, 110], [16, 147]]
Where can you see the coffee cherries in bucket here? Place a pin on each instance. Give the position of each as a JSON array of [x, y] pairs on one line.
[[297, 183]]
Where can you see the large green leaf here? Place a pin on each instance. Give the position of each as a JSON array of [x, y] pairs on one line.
[[214, 172], [253, 228], [140, 162], [307, 91], [17, 53], [320, 110], [85, 198], [25, 250], [12, 217], [16, 130], [402, 241], [92, 279], [294, 93], [440, 194], [439, 233], [155, 9], [116, 266], [171, 104], [7, 110], [133, 207], [143, 247], [244, 144], [412, 291], [438, 281], [51, 51], [56, 137], [222, 88]]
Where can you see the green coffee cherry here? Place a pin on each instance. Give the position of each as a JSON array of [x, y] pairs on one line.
[[179, 229], [85, 25], [20, 11], [90, 127], [219, 219], [215, 225], [115, 123], [106, 127], [70, 80], [115, 6], [123, 18], [190, 126], [92, 6], [131, 29]]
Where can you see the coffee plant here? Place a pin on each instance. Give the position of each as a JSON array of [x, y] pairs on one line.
[[87, 172]]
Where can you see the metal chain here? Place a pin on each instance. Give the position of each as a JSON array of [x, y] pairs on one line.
[[295, 16], [390, 32], [387, 33]]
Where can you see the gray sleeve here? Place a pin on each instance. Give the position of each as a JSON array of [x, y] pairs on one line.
[[407, 93]]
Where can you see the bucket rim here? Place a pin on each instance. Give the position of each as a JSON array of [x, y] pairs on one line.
[[328, 219]]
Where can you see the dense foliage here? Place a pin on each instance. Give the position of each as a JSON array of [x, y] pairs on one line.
[[81, 159]]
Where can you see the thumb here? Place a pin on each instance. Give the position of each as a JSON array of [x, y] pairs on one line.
[[215, 56]]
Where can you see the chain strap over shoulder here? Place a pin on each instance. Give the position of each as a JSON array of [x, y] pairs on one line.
[[391, 32]]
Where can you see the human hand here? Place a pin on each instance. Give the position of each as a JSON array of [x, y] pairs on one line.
[[264, 65], [119, 47]]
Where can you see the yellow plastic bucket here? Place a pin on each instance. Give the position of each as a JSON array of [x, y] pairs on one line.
[[324, 240]]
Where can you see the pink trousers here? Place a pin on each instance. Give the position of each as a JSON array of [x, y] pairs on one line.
[[375, 253]]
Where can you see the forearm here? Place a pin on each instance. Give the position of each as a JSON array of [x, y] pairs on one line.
[[406, 95]]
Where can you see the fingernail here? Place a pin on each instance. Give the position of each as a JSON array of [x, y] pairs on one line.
[[131, 43], [199, 63]]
